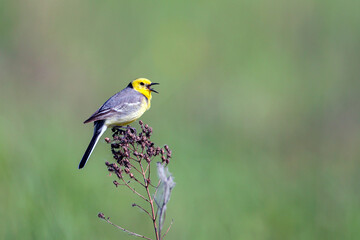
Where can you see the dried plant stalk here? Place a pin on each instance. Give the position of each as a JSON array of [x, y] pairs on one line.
[[133, 154]]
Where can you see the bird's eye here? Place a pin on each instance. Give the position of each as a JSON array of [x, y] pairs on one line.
[[142, 84]]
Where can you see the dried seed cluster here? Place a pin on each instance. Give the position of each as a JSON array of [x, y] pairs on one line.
[[128, 147]]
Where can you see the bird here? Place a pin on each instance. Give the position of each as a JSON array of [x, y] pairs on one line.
[[121, 109]]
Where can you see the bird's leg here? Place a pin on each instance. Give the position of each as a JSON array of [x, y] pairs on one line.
[[120, 129], [132, 129]]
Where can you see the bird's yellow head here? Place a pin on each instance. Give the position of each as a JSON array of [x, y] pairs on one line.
[[143, 86]]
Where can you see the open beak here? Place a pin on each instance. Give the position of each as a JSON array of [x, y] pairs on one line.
[[149, 87]]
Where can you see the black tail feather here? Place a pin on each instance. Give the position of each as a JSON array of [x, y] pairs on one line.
[[99, 129]]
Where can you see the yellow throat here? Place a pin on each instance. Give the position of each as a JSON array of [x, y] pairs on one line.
[[140, 85]]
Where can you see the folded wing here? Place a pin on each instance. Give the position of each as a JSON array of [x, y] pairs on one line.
[[121, 103]]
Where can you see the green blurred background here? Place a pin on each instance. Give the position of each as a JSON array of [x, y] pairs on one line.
[[259, 101]]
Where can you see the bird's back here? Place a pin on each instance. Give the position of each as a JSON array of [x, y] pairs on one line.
[[122, 108]]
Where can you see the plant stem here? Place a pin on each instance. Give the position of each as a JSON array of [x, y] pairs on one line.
[[127, 231], [151, 201]]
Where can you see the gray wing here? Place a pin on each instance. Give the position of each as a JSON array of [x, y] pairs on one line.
[[121, 103]]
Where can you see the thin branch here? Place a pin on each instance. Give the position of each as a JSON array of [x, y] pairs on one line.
[[168, 229], [149, 170], [135, 191], [135, 205], [143, 174], [147, 167], [133, 149], [134, 167], [152, 185], [136, 160], [136, 180], [125, 230], [157, 187]]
